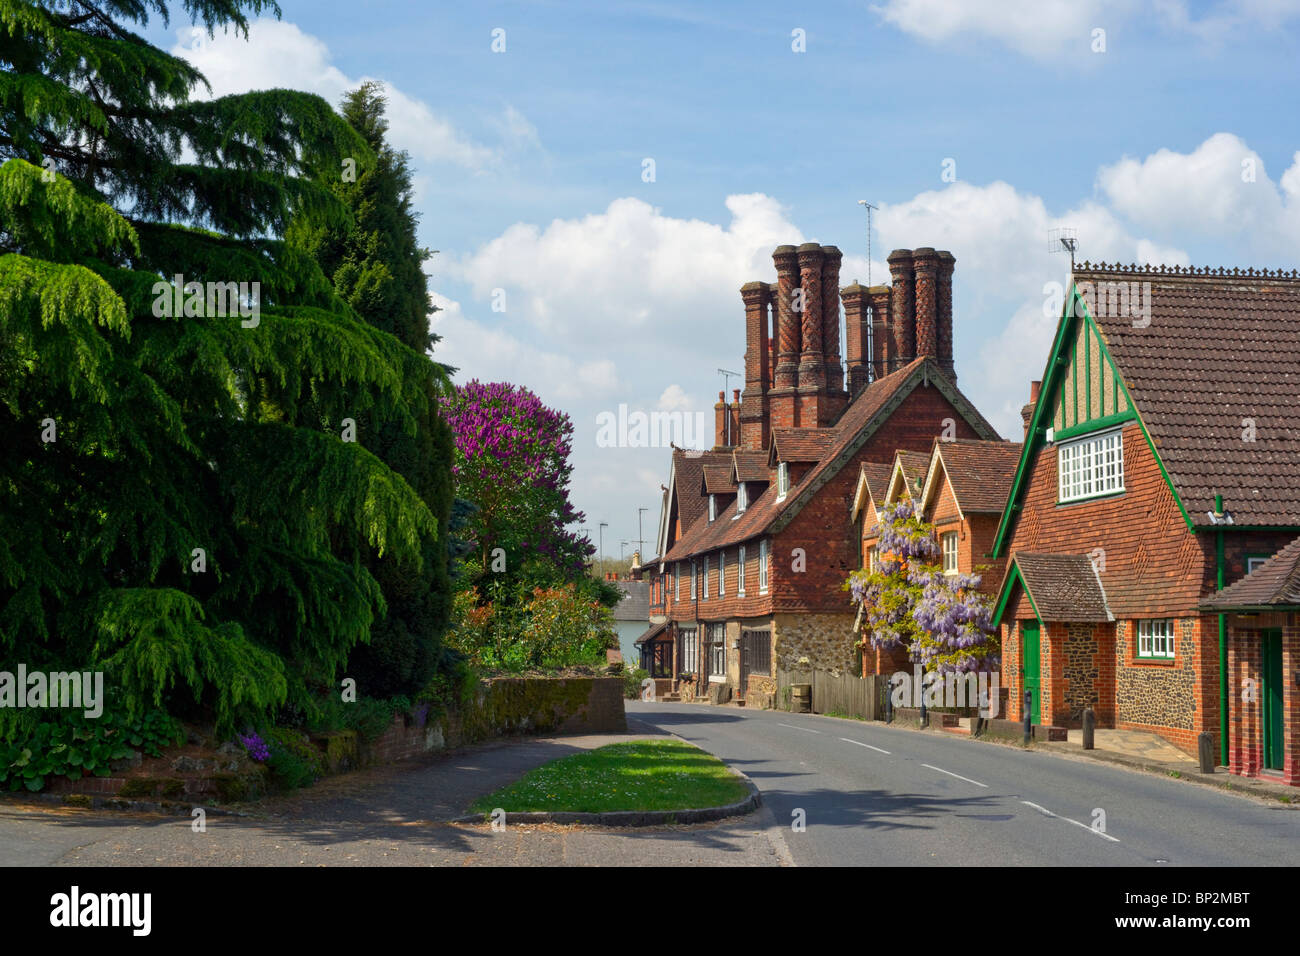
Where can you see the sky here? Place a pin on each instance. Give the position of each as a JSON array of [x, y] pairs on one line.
[[600, 179]]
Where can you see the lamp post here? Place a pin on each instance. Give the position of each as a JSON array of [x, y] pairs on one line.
[[603, 526]]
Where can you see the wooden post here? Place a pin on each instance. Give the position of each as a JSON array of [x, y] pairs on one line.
[[1029, 705], [1089, 725], [1205, 750]]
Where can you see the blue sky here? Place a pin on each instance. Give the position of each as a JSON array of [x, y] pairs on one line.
[[1178, 143]]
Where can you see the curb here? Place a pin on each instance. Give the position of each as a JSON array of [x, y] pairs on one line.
[[176, 808], [633, 818]]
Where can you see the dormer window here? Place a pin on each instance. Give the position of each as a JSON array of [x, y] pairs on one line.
[[713, 507], [782, 480], [742, 498]]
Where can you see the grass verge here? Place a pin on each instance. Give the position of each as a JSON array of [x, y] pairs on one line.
[[638, 775]]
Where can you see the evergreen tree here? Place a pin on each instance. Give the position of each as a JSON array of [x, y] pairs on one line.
[[376, 266], [179, 503]]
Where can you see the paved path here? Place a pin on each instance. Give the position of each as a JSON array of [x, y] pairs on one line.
[[388, 816], [869, 794]]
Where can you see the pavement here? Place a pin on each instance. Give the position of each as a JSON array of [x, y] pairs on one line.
[[395, 815]]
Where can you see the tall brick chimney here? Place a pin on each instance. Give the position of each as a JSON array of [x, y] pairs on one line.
[[1027, 412], [758, 353], [882, 333], [781, 398], [734, 415], [857, 338], [902, 310], [925, 267], [812, 365], [943, 296], [836, 397], [721, 416]]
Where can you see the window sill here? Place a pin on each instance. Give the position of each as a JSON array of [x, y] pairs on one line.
[[1097, 497], [717, 680], [1156, 661]]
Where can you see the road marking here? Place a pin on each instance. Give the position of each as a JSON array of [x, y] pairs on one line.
[[957, 775], [1047, 812], [807, 730], [861, 744]]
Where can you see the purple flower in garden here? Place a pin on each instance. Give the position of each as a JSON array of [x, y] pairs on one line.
[[256, 747]]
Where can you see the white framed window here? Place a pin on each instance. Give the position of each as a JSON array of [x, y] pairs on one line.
[[1090, 466], [1253, 563], [692, 580], [782, 480], [677, 581], [722, 572], [740, 571], [742, 499], [706, 577], [717, 652], [762, 566], [713, 507], [949, 541], [689, 653], [873, 559], [1156, 639]]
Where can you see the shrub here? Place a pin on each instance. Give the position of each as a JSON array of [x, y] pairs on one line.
[[632, 682], [293, 762]]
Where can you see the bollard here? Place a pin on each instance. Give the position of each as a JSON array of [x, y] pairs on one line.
[[1029, 705], [1205, 750], [1089, 725]]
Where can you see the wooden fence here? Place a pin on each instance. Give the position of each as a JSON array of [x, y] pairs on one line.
[[845, 694]]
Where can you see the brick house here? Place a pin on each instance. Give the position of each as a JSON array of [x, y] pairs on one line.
[[1160, 463], [1263, 611], [754, 537], [960, 488]]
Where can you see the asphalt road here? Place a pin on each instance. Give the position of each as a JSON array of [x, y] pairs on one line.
[[869, 794]]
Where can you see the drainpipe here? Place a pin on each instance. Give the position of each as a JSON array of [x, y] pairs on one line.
[[1223, 639]]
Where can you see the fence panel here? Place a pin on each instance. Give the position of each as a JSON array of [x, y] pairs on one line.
[[845, 693]]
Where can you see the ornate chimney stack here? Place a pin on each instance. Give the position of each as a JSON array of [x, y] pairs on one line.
[[753, 414], [837, 398], [782, 404], [882, 331], [857, 339], [902, 311], [944, 296], [925, 266]]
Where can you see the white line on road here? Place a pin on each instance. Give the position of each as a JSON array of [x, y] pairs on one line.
[[861, 744], [1044, 810], [957, 775], [807, 730]]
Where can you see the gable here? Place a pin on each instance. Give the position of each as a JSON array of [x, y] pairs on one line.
[[1089, 392]]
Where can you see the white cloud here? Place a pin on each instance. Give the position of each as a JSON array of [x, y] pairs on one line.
[[1036, 28], [1219, 189], [280, 55], [674, 399]]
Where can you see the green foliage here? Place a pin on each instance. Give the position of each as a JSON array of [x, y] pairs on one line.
[[557, 628], [294, 762], [196, 431], [632, 682], [33, 751]]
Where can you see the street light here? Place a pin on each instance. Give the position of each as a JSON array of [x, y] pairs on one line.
[[603, 526]]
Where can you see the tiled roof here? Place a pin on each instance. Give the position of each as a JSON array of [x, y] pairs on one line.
[[1218, 355], [1275, 583], [801, 444], [875, 475], [635, 605], [1062, 587], [688, 471], [751, 466], [766, 514], [913, 465], [717, 480], [980, 472], [652, 632]]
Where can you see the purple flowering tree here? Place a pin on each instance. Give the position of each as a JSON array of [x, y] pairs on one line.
[[512, 462], [943, 621]]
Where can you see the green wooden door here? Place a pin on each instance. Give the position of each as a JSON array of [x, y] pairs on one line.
[[1271, 646], [1030, 668]]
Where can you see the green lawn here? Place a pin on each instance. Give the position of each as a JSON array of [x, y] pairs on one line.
[[638, 775]]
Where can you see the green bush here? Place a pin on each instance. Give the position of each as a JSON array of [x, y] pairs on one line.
[[632, 682], [73, 745], [294, 762]]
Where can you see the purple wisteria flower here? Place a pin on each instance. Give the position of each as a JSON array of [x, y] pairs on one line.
[[256, 747]]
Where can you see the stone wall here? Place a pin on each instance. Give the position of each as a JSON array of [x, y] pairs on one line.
[[826, 640]]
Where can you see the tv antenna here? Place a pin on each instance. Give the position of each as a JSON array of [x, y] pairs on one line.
[[863, 202], [1063, 240]]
